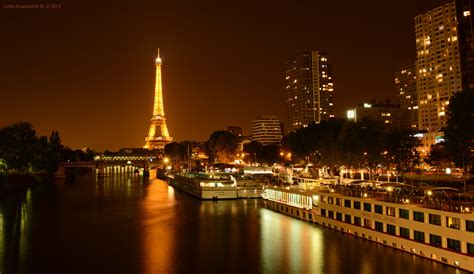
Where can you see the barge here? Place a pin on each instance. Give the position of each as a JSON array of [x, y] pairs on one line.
[[442, 231]]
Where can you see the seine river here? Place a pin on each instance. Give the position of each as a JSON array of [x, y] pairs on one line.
[[125, 224]]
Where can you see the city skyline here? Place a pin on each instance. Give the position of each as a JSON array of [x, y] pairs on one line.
[[90, 76]]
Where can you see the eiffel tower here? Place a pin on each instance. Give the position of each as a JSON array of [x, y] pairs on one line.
[[158, 136]]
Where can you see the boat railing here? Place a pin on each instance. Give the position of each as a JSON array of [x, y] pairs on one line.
[[448, 203]]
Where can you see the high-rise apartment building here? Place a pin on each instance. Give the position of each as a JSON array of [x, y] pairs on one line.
[[438, 68], [267, 130], [405, 85], [309, 89]]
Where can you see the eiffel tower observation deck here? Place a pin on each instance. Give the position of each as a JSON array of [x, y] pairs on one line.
[[158, 136]]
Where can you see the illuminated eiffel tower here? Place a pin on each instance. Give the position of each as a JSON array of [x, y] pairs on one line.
[[158, 135]]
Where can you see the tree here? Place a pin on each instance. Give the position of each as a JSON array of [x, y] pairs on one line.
[[401, 150], [185, 150], [328, 143], [253, 149], [459, 132], [362, 144], [437, 156], [221, 146], [269, 154], [172, 151], [17, 146]]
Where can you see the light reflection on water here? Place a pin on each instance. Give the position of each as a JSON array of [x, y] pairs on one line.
[[126, 224], [289, 244]]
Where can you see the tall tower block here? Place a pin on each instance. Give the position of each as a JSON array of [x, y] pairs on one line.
[[309, 89], [158, 136]]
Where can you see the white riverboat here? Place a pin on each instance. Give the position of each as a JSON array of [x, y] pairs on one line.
[[216, 186], [425, 225]]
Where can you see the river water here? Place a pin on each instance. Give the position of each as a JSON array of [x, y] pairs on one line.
[[126, 224]]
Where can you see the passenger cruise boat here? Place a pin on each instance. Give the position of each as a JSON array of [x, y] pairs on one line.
[[420, 222], [216, 186]]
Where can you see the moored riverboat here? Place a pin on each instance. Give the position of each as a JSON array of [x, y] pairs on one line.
[[423, 225], [216, 186]]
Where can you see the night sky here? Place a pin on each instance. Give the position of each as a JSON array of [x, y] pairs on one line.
[[87, 69]]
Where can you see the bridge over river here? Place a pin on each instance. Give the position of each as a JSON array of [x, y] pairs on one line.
[[108, 164]]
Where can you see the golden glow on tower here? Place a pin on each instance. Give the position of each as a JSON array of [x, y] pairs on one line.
[[158, 135], [158, 105]]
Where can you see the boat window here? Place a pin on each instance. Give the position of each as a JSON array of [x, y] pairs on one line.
[[404, 213], [391, 229], [470, 248], [435, 219], [419, 236], [452, 222], [379, 226], [454, 244], [357, 220], [367, 207], [347, 203], [348, 218], [404, 232], [356, 204], [390, 211], [435, 240], [470, 225], [418, 216]]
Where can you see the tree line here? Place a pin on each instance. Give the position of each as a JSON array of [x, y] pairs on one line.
[[458, 145], [22, 150], [362, 144]]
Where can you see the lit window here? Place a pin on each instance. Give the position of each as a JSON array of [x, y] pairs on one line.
[[467, 13]]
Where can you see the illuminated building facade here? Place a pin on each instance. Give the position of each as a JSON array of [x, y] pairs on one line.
[[405, 85], [438, 68], [309, 89], [158, 136], [385, 113], [267, 130]]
